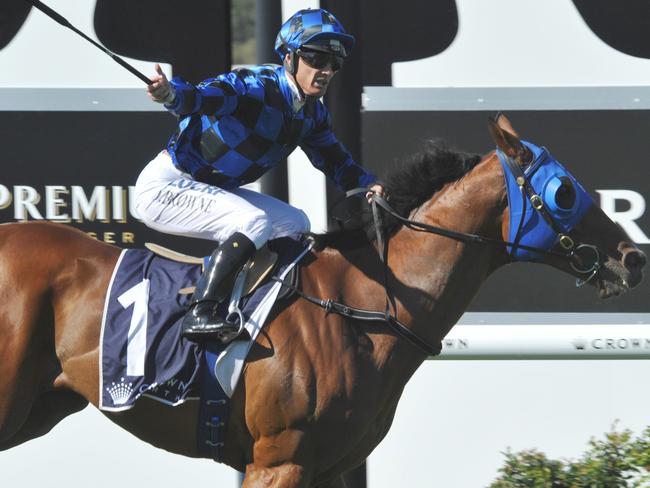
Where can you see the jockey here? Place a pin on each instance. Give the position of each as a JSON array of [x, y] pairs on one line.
[[231, 130]]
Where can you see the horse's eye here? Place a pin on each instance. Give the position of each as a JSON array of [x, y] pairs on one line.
[[565, 196]]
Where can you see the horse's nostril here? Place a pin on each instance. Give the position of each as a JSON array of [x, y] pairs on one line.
[[634, 260]]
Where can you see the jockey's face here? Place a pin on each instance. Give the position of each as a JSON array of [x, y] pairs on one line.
[[313, 81]]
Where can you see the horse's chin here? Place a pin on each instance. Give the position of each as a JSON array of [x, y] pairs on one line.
[[611, 286], [607, 288], [613, 279]]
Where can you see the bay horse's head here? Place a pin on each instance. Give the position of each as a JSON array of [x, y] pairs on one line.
[[553, 219]]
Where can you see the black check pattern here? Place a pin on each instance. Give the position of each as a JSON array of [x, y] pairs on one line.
[[214, 104], [248, 111], [254, 147], [273, 96], [243, 123], [253, 173]]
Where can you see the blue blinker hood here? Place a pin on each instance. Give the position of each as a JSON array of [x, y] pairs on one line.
[[552, 183]]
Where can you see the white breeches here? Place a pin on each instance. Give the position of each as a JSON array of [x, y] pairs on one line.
[[170, 201]]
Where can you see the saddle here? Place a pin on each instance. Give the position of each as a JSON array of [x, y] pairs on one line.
[[254, 273]]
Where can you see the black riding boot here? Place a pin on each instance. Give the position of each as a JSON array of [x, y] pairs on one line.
[[202, 322]]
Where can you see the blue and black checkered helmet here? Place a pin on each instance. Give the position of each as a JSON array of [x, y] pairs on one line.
[[315, 29]]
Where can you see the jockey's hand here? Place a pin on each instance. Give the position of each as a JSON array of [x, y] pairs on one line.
[[161, 91], [376, 188]]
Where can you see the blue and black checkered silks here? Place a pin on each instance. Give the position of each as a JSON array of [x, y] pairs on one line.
[[237, 126], [307, 26]]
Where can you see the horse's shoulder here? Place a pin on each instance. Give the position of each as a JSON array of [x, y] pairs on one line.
[[322, 264]]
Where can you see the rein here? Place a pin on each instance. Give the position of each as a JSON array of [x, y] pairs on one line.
[[478, 239], [332, 306], [459, 236], [570, 251]]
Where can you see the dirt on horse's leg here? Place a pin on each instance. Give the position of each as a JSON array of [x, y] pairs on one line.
[[47, 411], [283, 476]]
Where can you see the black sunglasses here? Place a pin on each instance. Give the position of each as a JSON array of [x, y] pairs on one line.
[[319, 60]]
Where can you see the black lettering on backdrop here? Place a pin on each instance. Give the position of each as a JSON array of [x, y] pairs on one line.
[[624, 26], [194, 38], [12, 16]]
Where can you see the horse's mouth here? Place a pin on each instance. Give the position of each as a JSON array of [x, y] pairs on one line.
[[613, 279], [607, 288]]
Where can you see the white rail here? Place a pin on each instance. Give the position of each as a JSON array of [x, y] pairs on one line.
[[548, 336]]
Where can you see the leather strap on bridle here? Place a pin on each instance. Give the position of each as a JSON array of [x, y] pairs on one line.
[[459, 236], [382, 249], [332, 306], [536, 201]]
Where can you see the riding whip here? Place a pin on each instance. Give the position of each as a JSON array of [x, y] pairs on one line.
[[64, 22]]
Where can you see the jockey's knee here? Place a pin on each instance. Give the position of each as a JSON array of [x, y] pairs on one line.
[[293, 224], [257, 226], [303, 224]]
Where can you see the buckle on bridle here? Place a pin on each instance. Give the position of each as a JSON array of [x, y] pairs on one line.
[[566, 242], [537, 202]]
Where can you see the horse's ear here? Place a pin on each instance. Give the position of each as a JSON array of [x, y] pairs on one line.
[[508, 142], [505, 124]]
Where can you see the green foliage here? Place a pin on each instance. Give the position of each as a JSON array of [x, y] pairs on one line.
[[242, 17], [618, 461], [529, 469]]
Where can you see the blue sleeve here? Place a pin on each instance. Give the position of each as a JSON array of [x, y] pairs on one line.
[[215, 96], [331, 157]]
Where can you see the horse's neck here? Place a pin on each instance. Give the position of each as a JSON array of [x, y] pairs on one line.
[[435, 277]]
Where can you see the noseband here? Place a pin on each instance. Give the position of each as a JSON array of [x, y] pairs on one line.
[[591, 270]]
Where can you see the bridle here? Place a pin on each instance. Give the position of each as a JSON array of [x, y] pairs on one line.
[[567, 248], [554, 223]]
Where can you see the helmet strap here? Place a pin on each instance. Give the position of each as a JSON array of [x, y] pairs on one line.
[[293, 63], [292, 68]]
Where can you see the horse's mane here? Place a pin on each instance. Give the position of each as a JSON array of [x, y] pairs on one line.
[[408, 184]]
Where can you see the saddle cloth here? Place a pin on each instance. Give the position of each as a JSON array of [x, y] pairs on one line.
[[142, 350]]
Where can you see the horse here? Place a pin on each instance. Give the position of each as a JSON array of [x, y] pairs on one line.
[[319, 390]]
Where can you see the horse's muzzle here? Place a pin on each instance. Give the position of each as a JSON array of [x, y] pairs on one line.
[[634, 260]]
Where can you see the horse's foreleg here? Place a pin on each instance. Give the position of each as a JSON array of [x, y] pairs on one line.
[[24, 357], [15, 402], [47, 411], [283, 476]]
